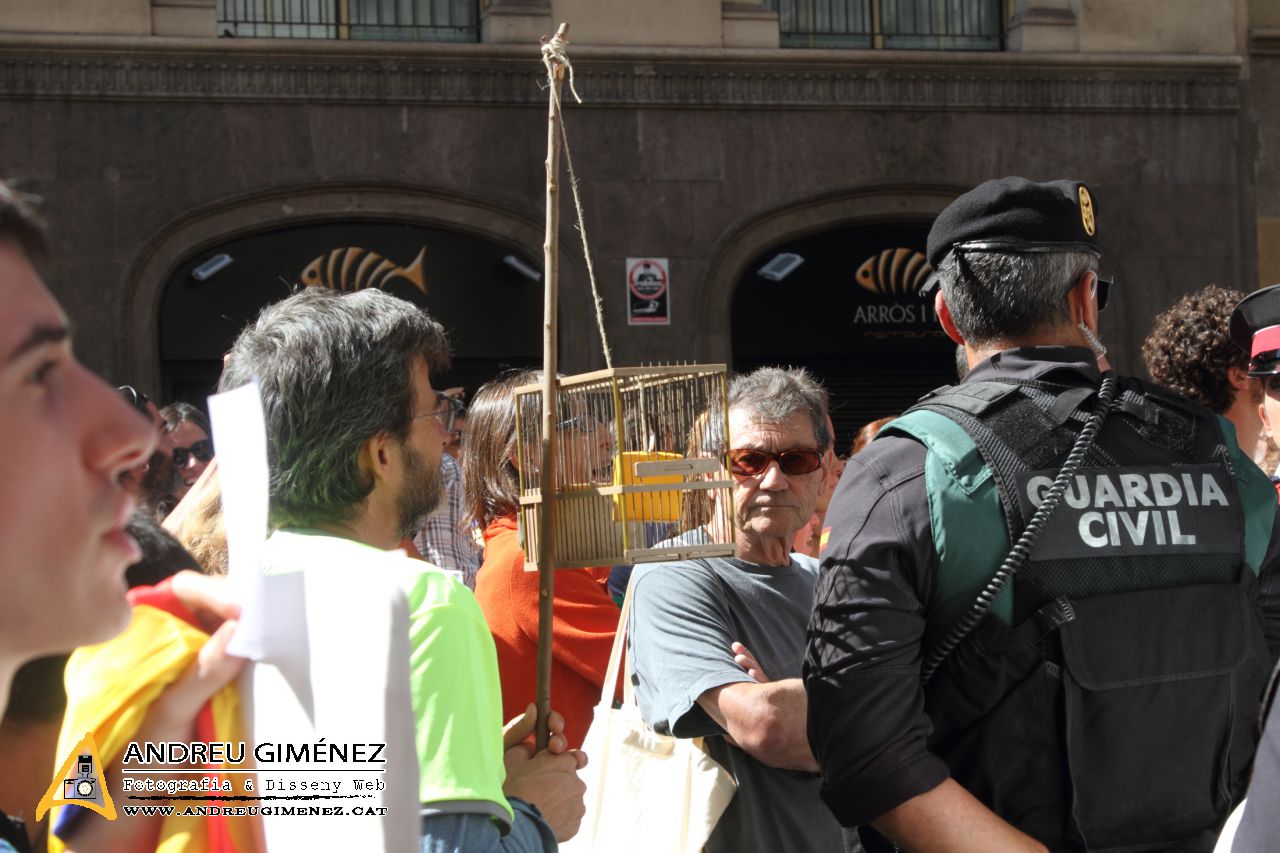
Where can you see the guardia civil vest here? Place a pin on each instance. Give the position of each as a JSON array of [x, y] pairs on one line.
[[1108, 699]]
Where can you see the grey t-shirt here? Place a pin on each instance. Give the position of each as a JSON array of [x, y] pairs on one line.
[[684, 616]]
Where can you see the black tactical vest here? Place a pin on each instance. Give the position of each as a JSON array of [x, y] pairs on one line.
[[1118, 710]]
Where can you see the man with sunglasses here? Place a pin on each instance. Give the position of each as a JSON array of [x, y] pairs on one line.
[[1255, 332], [1094, 687], [693, 622]]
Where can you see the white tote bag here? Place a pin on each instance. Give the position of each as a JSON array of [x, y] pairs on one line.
[[645, 791]]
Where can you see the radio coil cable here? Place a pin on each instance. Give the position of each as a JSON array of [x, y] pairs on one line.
[[1022, 548]]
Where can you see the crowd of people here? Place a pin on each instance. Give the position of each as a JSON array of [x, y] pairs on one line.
[[1039, 610]]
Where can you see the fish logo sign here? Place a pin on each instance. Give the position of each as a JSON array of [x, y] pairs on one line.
[[1086, 212], [351, 268], [893, 272], [79, 782]]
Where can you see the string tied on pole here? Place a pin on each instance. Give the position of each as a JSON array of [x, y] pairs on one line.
[[553, 54]]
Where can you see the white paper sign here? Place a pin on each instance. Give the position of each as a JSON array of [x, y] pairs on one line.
[[323, 680], [240, 435], [331, 647]]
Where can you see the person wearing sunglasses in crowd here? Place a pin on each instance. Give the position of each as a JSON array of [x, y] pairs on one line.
[[153, 481], [188, 432], [692, 622], [990, 668]]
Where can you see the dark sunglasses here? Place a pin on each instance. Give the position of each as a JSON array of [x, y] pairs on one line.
[[134, 397], [748, 463], [202, 450], [1103, 290]]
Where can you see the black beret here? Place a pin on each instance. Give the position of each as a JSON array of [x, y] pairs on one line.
[[1017, 215], [1259, 312]]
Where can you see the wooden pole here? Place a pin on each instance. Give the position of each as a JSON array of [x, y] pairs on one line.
[[546, 521]]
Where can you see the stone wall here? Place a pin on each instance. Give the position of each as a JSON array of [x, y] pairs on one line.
[[703, 157], [1262, 130]]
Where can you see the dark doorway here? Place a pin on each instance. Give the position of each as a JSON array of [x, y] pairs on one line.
[[850, 312], [492, 311]]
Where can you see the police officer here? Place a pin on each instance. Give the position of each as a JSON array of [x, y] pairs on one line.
[[1093, 688], [1255, 328]]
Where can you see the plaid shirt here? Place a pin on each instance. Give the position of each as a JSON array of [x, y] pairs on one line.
[[442, 540]]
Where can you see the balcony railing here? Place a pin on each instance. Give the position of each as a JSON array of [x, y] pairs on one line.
[[891, 24], [385, 20]]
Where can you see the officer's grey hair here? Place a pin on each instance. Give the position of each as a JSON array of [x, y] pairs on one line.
[[996, 296], [774, 394], [335, 370]]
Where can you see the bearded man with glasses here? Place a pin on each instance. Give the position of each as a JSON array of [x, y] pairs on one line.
[[717, 643], [354, 438]]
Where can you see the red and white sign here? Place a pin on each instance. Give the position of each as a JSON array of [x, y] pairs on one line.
[[648, 292]]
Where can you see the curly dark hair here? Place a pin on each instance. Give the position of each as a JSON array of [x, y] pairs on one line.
[[1190, 349]]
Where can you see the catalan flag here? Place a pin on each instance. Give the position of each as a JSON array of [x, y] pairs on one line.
[[110, 688]]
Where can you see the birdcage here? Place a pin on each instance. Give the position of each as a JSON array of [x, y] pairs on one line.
[[640, 474]]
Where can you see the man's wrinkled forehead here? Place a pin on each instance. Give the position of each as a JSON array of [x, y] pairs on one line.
[[747, 429]]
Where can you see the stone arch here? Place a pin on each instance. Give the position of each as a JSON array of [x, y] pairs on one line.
[[146, 278], [796, 219]]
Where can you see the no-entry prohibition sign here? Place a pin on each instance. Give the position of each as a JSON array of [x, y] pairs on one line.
[[648, 293]]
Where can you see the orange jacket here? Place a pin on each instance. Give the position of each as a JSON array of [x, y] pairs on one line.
[[581, 637]]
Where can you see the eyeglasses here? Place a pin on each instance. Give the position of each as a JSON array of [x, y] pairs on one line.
[[445, 416], [202, 450], [134, 398], [748, 463], [583, 423]]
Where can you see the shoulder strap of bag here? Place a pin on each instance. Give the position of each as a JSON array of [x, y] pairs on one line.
[[615, 658]]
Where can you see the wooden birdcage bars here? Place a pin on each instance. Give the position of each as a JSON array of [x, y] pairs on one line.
[[640, 466]]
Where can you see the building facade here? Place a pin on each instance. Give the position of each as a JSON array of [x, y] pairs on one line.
[[200, 158]]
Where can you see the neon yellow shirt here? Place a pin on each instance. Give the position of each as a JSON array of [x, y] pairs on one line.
[[457, 699], [453, 665]]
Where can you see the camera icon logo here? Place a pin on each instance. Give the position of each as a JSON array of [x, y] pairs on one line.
[[79, 782], [82, 786]]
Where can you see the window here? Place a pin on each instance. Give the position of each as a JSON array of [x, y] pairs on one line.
[[891, 24], [387, 20]]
